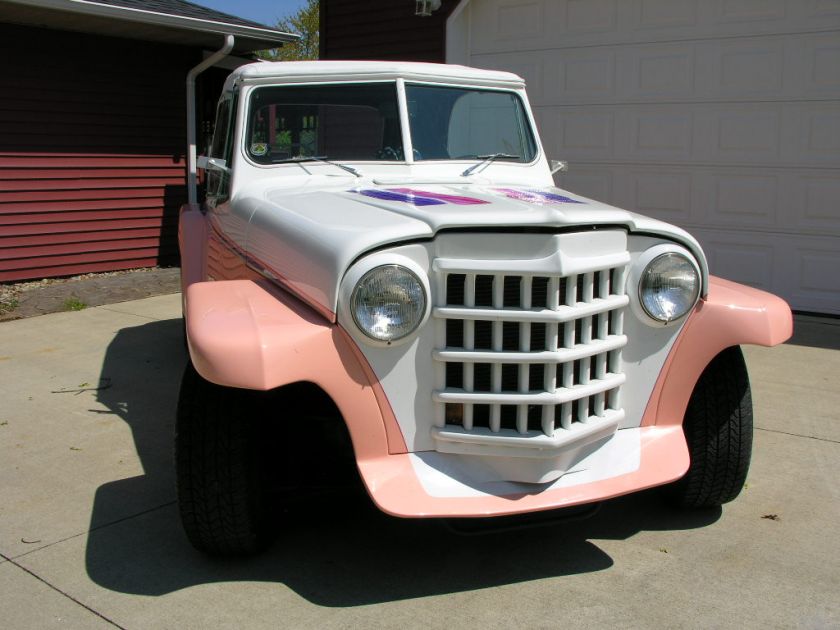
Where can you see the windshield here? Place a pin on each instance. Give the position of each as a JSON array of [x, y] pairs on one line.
[[361, 122], [449, 123], [341, 122]]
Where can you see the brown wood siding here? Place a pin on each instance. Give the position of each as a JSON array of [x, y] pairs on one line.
[[382, 29], [92, 139]]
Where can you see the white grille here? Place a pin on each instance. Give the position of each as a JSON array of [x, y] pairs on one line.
[[528, 354]]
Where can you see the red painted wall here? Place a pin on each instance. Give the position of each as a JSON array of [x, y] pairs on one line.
[[382, 29], [92, 136]]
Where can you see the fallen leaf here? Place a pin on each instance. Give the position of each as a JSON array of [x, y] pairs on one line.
[[663, 550], [771, 517], [75, 448]]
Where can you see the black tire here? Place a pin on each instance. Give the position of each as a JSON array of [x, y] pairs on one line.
[[222, 494], [718, 427]]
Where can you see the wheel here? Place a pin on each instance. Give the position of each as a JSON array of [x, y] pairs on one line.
[[222, 493], [718, 427]]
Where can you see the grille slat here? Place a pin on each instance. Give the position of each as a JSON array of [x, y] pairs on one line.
[[530, 353]]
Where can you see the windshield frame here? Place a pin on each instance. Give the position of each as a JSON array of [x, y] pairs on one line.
[[405, 126]]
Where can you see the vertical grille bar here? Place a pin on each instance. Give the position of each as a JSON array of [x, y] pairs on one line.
[[571, 291], [619, 282], [604, 286], [440, 340], [524, 346], [498, 344], [587, 284], [469, 344]]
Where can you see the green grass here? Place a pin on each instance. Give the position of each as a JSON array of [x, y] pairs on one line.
[[74, 304], [8, 306]]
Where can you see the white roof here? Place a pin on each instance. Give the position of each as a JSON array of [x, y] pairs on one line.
[[295, 71]]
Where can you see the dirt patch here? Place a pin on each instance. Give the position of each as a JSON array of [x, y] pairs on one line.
[[53, 295]]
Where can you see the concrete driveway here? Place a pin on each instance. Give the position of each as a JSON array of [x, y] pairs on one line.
[[89, 532]]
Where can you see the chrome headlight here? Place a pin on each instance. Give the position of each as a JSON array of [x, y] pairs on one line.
[[388, 303], [669, 287]]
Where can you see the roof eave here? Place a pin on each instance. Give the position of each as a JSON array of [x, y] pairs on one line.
[[86, 7]]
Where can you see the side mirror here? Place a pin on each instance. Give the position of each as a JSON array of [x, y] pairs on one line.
[[202, 161], [559, 165]]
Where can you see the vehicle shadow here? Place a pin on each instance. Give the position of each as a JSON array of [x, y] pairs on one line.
[[334, 549]]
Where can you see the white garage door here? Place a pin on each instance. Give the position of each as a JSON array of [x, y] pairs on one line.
[[721, 116]]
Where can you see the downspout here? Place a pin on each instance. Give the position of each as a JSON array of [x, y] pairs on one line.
[[192, 179]]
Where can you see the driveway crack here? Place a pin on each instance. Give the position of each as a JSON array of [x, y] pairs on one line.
[[58, 590]]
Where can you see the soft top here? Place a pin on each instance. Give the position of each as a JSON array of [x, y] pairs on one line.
[[295, 71]]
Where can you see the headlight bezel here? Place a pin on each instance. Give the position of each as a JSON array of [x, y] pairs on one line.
[[362, 269], [369, 276], [639, 272]]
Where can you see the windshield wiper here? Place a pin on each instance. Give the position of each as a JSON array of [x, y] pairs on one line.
[[487, 159], [317, 158]]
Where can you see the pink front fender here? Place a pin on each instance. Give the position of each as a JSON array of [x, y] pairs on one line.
[[251, 335], [731, 315]]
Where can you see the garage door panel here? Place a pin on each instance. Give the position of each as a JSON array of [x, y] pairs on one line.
[[586, 134], [823, 56], [594, 182], [657, 71], [587, 74], [663, 194], [751, 11], [813, 204], [818, 280], [744, 200], [747, 68], [517, 25], [817, 135], [655, 14], [740, 259]]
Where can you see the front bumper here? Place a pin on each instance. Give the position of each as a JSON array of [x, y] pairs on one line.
[[412, 485]]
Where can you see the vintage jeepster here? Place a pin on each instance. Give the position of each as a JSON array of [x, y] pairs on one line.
[[382, 250]]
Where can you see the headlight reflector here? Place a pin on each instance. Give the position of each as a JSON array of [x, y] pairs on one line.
[[669, 287], [388, 303]]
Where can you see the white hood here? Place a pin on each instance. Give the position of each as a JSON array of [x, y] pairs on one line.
[[308, 236]]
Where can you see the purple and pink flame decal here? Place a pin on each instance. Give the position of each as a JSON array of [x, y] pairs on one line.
[[535, 196], [418, 197], [425, 198]]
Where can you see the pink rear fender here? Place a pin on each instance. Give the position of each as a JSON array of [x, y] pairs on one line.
[[731, 315], [251, 335]]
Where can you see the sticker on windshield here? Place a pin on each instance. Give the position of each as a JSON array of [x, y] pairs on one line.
[[541, 197], [418, 197], [259, 149]]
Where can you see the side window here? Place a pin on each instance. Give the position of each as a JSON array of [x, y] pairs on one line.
[[218, 180]]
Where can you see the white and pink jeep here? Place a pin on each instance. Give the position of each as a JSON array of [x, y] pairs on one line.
[[382, 255]]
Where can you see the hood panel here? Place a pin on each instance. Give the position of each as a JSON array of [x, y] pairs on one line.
[[308, 238]]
